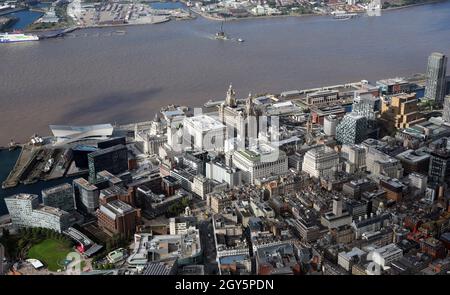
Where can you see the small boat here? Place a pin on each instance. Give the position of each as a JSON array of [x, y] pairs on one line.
[[240, 40]]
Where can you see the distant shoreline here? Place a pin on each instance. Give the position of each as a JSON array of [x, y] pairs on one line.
[[210, 17], [213, 18]]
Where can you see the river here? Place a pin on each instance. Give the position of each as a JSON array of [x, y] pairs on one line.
[[97, 76]]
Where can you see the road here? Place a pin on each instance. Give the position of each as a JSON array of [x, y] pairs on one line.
[[209, 247]]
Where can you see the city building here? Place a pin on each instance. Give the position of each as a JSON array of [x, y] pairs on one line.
[[219, 172], [414, 161], [394, 189], [380, 164], [201, 186], [203, 132], [25, 211], [233, 113], [348, 259], [329, 125], [113, 159], [337, 217], [149, 143], [394, 86], [400, 111], [446, 110], [354, 158], [322, 97], [278, 259], [110, 142], [439, 170], [219, 201], [117, 217], [186, 248], [86, 195], [181, 225], [60, 196], [260, 162], [68, 134], [307, 228], [384, 256], [418, 182], [436, 74], [352, 129], [433, 247], [318, 114], [80, 155], [321, 162], [369, 223], [355, 188]]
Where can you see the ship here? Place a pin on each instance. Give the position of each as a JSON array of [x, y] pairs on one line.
[[12, 38], [344, 16], [221, 34]]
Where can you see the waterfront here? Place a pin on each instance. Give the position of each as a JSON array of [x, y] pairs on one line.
[[96, 76], [7, 160], [26, 18]]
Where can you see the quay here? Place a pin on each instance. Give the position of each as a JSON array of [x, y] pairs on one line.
[[12, 10]]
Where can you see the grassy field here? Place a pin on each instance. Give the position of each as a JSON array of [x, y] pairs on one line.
[[51, 252]]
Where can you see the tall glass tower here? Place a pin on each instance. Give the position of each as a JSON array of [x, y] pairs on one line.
[[436, 71]]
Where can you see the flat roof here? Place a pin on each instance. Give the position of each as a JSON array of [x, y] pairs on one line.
[[204, 122]]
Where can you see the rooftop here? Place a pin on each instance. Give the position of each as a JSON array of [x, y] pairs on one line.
[[204, 123]]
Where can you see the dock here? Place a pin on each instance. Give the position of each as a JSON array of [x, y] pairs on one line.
[[30, 166]]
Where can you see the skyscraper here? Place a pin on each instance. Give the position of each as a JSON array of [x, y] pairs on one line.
[[436, 71], [446, 111]]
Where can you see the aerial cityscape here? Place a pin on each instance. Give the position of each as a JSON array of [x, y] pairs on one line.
[[233, 138]]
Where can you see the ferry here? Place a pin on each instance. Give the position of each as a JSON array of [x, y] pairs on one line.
[[221, 34], [12, 38], [344, 16]]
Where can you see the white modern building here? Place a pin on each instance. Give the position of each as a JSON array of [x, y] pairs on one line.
[[25, 211], [219, 172], [329, 125], [321, 162], [204, 132], [68, 134], [354, 158], [384, 256]]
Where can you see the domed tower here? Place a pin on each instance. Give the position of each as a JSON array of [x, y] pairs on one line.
[[231, 97], [156, 125]]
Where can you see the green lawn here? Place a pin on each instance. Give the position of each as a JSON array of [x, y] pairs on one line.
[[51, 252]]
